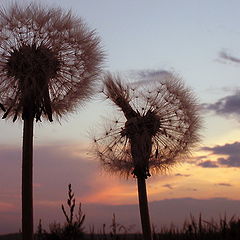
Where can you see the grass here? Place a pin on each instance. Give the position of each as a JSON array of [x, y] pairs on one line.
[[192, 229]]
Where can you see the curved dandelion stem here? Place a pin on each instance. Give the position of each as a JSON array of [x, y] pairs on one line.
[[143, 207]]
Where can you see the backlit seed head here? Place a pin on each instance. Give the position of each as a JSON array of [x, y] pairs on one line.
[[49, 61], [159, 127]]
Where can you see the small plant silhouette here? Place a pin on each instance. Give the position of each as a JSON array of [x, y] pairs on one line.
[[158, 127], [73, 229], [49, 61]]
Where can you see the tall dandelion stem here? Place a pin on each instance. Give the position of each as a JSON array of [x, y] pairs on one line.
[[27, 179], [143, 207]]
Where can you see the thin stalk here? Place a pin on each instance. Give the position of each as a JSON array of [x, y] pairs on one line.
[[143, 207], [27, 180]]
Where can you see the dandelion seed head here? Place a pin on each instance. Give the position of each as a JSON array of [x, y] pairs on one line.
[[161, 127], [49, 61]]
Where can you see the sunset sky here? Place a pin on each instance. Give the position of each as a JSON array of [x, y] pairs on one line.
[[197, 39]]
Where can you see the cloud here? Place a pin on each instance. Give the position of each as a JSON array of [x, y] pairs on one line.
[[224, 184], [227, 106], [226, 149], [208, 164], [182, 175], [169, 186], [231, 161], [228, 155], [229, 57], [153, 73], [192, 189], [145, 76], [232, 152], [55, 166]]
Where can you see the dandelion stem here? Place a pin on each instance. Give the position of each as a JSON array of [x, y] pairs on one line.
[[27, 179], [143, 207]]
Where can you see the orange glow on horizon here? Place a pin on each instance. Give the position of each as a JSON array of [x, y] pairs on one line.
[[113, 195]]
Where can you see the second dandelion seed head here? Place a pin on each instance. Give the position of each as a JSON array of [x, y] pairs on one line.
[[160, 127]]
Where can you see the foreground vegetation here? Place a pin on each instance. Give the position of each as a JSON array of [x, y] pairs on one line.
[[193, 229]]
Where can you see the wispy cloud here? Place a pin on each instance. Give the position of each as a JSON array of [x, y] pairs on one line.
[[146, 76], [226, 56], [224, 184], [230, 104], [208, 164], [227, 106], [56, 166], [182, 175], [191, 189], [169, 186], [153, 73]]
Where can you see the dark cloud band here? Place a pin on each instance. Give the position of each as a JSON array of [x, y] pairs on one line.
[[231, 152], [229, 105]]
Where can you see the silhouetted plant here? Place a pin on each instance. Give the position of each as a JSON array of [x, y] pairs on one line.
[[71, 205], [49, 61], [73, 229], [41, 233], [158, 127], [55, 232], [193, 229], [117, 229]]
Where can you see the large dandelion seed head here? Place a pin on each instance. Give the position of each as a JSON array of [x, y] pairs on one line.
[[49, 61], [158, 126]]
